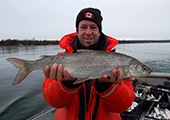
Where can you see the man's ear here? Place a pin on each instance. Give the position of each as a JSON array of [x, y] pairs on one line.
[[76, 30]]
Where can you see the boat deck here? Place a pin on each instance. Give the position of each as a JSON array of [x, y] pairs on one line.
[[148, 108]]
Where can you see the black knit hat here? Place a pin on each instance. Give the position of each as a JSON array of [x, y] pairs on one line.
[[91, 14]]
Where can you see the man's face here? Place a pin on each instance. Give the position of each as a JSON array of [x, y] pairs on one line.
[[88, 33]]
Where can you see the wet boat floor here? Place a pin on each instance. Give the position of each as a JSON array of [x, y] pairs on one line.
[[151, 102]]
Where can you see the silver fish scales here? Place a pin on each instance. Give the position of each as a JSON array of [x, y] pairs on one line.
[[84, 65]]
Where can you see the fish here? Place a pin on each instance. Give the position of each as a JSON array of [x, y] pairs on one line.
[[84, 65]]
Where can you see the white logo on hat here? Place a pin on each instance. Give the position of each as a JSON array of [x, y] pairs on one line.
[[89, 15]]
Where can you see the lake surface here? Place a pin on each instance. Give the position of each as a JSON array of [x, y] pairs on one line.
[[24, 100]]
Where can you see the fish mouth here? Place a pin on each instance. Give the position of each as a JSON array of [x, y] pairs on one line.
[[149, 72]]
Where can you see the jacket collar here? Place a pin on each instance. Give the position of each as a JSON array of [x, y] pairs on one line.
[[71, 44]]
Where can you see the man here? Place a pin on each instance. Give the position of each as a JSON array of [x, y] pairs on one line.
[[96, 99]]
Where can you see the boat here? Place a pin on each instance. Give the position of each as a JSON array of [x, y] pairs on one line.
[[147, 84], [48, 114]]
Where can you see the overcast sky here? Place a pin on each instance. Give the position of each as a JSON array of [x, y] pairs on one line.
[[51, 19]]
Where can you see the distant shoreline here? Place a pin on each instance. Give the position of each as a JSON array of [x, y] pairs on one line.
[[120, 42], [143, 41], [26, 45]]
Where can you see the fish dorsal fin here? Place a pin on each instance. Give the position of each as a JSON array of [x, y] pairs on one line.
[[85, 50], [43, 56]]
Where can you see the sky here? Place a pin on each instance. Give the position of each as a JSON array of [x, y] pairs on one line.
[[52, 19]]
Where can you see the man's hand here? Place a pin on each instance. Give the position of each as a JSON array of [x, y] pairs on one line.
[[56, 72], [115, 77]]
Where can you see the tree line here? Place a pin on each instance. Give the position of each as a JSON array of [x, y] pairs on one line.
[[16, 42]]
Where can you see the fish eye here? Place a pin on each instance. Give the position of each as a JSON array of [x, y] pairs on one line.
[[143, 68]]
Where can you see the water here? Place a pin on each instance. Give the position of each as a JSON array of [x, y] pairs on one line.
[[24, 100], [156, 55]]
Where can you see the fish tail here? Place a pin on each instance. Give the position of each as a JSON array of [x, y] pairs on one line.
[[23, 69]]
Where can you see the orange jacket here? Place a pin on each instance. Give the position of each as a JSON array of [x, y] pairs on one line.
[[102, 106]]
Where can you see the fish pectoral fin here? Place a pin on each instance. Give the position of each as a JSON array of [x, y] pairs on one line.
[[79, 80], [124, 75]]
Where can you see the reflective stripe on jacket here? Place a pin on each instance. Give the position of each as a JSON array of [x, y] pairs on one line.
[[71, 102]]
